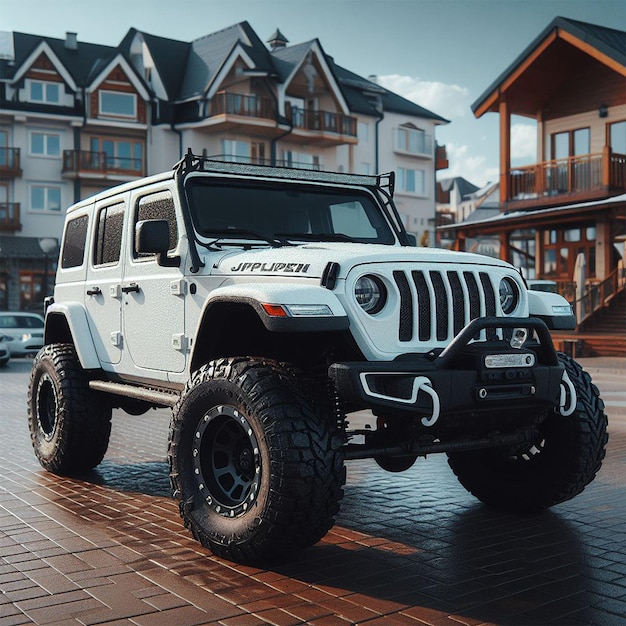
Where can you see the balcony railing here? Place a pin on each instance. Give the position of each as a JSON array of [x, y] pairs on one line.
[[228, 103], [10, 217], [10, 162], [323, 121], [588, 175], [234, 158], [100, 164]]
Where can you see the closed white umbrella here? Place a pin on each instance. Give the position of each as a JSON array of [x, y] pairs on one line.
[[580, 276]]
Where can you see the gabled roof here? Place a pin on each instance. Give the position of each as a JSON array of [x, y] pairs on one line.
[[208, 55], [80, 63], [187, 70], [606, 45], [291, 59], [362, 95], [464, 187], [169, 56]]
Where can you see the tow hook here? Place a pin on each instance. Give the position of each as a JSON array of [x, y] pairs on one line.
[[567, 401]]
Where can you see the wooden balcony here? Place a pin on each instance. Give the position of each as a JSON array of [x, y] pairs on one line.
[[10, 217], [100, 166], [441, 158], [322, 127], [10, 163], [247, 113], [560, 181]]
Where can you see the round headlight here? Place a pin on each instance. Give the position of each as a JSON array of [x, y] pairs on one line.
[[370, 293], [509, 295]]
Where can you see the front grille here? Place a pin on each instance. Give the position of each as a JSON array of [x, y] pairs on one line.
[[438, 304]]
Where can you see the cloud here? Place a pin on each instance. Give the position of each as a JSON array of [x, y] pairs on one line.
[[524, 143], [475, 169], [449, 101]]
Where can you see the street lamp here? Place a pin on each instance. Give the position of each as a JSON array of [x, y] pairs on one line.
[[47, 245]]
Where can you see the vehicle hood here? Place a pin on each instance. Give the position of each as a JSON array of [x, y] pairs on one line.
[[310, 259]]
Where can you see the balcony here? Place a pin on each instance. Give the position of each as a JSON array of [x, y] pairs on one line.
[[322, 127], [441, 158], [10, 217], [10, 163], [99, 166], [575, 179], [248, 113]]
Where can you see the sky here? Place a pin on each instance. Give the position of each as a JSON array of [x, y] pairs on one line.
[[441, 54]]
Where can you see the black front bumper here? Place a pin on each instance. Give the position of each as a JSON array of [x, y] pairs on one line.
[[468, 377]]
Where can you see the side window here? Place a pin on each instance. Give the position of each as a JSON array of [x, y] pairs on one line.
[[158, 206], [109, 228], [74, 242]]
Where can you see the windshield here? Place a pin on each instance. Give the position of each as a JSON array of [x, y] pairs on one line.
[[283, 211]]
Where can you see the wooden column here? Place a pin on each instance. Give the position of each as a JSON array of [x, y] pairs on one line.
[[505, 150], [504, 246]]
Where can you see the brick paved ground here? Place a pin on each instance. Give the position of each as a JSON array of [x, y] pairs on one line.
[[411, 548]]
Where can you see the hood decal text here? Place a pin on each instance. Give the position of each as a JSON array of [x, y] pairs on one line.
[[301, 268]]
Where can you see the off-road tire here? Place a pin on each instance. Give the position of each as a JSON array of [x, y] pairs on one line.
[[557, 466], [69, 424], [256, 463]]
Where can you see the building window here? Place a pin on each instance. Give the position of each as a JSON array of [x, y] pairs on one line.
[[411, 181], [412, 140], [45, 144], [234, 151], [118, 104], [301, 160], [45, 198], [43, 92], [124, 155], [617, 137], [561, 247]]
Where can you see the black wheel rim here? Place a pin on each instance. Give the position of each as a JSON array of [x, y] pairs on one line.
[[46, 407], [226, 461]]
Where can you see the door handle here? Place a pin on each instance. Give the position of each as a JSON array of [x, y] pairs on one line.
[[130, 288], [94, 291]]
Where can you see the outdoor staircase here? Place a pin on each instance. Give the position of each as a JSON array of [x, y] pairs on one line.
[[601, 334]]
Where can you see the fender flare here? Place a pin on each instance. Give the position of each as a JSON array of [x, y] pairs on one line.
[[75, 316], [256, 295]]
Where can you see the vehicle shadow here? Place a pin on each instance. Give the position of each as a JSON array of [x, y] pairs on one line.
[[449, 557]]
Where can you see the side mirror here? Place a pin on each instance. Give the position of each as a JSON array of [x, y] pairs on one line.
[[153, 237]]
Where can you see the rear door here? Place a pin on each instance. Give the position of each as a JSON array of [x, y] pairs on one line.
[[103, 294]]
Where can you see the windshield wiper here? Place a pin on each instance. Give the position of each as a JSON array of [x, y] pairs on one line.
[[228, 232], [316, 236]]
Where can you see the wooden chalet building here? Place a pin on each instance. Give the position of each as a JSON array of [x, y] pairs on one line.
[[572, 80]]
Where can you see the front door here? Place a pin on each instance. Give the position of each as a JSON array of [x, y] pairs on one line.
[[154, 294]]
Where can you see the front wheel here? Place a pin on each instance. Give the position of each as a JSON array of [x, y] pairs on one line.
[[69, 424], [255, 463], [563, 459]]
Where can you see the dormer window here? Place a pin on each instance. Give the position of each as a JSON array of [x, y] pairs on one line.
[[43, 92], [118, 104]]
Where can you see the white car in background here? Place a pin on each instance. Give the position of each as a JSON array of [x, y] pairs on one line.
[[24, 332], [5, 351]]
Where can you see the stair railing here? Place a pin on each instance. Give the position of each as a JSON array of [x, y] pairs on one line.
[[597, 296]]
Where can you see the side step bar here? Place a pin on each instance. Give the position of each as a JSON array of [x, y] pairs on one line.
[[153, 396]]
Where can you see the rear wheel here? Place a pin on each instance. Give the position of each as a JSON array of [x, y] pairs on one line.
[[255, 463], [557, 465], [69, 424]]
